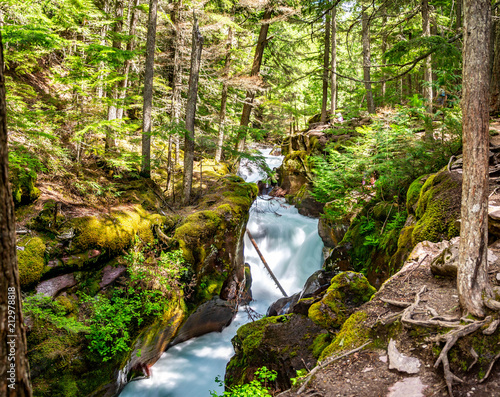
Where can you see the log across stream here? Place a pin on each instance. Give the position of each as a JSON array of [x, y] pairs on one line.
[[293, 249]]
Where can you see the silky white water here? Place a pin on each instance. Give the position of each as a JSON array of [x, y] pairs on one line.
[[293, 249]]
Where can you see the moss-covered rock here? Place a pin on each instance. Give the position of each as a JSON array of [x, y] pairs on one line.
[[438, 208], [352, 334], [280, 343], [347, 291], [115, 232], [23, 187], [31, 260], [413, 193]]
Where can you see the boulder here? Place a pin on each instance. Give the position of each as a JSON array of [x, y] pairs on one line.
[[56, 285], [282, 344], [110, 274], [283, 305], [347, 291], [212, 316]]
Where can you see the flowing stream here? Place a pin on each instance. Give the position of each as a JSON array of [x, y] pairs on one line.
[[291, 246]]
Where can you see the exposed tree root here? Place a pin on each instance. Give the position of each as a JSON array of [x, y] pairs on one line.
[[451, 338], [476, 357], [490, 368]]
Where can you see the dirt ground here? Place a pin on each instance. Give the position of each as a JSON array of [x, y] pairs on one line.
[[366, 373]]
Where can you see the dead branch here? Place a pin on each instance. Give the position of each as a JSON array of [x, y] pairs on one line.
[[396, 303]]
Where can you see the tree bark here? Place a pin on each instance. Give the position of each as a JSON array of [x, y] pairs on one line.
[[365, 27], [458, 11], [426, 31], [472, 278], [257, 61], [495, 67], [326, 66], [177, 78], [14, 367], [333, 88], [148, 90], [117, 29], [191, 111], [383, 49], [126, 69], [223, 101]]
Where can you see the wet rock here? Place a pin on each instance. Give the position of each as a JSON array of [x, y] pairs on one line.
[[318, 282], [110, 274], [400, 362], [56, 285], [283, 305], [212, 316], [339, 259], [331, 234]]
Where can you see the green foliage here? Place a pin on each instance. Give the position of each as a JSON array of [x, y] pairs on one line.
[[258, 387], [45, 308], [392, 155]]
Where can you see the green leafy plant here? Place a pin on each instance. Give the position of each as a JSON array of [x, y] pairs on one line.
[[258, 387]]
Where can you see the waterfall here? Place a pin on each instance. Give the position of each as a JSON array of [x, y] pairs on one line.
[[292, 247]]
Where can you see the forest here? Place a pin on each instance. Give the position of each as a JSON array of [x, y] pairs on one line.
[[156, 156]]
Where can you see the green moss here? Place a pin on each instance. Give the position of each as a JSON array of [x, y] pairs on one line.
[[352, 334], [320, 343], [117, 231], [438, 208], [413, 193], [23, 187], [31, 261], [347, 290]]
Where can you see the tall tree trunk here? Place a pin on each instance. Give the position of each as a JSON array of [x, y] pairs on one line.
[[191, 110], [177, 77], [383, 49], [118, 25], [148, 90], [326, 66], [126, 68], [333, 88], [103, 32], [458, 10], [472, 278], [14, 367], [365, 27], [426, 30], [257, 61], [495, 66], [223, 101]]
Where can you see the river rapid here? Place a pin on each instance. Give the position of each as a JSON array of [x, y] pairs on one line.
[[291, 246]]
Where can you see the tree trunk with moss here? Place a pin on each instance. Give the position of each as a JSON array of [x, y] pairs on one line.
[[14, 367], [326, 65], [365, 30], [257, 61], [148, 91], [472, 278], [223, 101], [117, 43], [426, 30], [495, 63], [191, 111]]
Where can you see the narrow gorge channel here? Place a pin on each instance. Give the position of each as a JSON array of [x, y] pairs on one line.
[[293, 249]]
